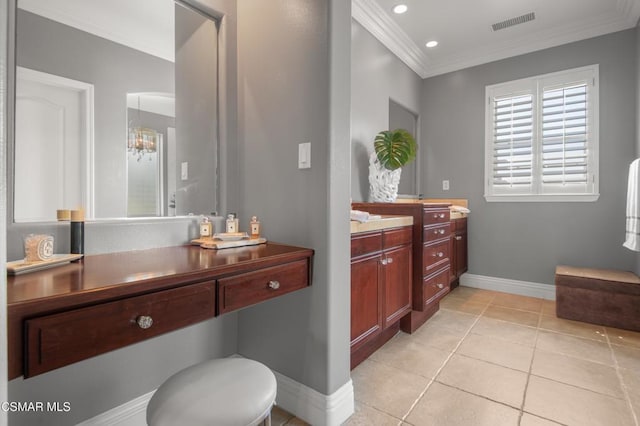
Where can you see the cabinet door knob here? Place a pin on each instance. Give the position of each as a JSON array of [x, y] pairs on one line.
[[274, 285], [390, 260], [383, 261], [144, 321], [440, 285], [458, 238]]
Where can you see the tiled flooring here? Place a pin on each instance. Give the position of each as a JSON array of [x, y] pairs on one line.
[[489, 358]]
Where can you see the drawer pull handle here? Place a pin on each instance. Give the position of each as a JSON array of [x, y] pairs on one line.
[[144, 321], [441, 215], [383, 261], [274, 285], [440, 286], [439, 231], [390, 260], [438, 254], [458, 238]]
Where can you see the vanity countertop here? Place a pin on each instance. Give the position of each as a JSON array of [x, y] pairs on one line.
[[451, 202], [386, 222]]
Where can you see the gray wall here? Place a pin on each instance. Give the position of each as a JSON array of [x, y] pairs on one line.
[[377, 75], [3, 207], [525, 241], [101, 383], [294, 89], [114, 70]]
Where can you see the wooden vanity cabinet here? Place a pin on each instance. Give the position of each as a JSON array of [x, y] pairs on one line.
[[380, 288], [458, 249], [430, 255], [73, 312]]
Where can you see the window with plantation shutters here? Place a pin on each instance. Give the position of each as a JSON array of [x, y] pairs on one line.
[[541, 139]]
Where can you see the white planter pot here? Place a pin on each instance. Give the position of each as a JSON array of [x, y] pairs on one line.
[[383, 183]]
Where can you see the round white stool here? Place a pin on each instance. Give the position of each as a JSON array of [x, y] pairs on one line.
[[228, 391]]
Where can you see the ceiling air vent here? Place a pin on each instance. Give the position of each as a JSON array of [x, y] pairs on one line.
[[514, 21]]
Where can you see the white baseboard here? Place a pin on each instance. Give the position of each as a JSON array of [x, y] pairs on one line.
[[132, 413], [296, 398], [523, 288], [312, 406]]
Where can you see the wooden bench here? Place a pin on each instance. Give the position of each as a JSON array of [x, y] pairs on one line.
[[598, 296]]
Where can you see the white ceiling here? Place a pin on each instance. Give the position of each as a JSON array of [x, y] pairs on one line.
[[463, 28]]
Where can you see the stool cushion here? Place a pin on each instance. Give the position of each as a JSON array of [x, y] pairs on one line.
[[228, 391]]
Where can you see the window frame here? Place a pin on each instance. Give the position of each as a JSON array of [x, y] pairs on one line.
[[536, 86]]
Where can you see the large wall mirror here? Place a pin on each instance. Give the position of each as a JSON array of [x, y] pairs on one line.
[[116, 109]]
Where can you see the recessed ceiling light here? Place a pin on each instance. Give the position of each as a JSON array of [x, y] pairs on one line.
[[432, 43], [400, 8]]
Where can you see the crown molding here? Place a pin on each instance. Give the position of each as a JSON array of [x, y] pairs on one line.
[[376, 20]]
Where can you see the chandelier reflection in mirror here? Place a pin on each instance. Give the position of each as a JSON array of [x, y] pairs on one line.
[[142, 140]]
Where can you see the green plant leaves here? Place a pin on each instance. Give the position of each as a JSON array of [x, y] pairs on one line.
[[395, 148]]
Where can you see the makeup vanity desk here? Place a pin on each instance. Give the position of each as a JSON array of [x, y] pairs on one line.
[[73, 312]]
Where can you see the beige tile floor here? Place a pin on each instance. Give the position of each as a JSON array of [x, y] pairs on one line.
[[489, 358]]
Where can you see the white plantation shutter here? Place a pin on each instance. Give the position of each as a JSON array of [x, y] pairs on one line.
[[513, 141], [564, 138], [541, 138]]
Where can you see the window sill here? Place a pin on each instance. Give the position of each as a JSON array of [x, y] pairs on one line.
[[542, 198]]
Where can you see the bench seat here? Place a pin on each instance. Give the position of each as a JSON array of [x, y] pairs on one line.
[[598, 296]]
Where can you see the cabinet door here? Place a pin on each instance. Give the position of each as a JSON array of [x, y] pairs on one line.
[[366, 300], [461, 253], [397, 283]]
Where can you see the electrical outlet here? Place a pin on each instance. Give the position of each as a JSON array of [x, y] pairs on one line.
[[445, 185]]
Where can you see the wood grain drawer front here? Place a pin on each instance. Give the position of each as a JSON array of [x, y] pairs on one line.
[[57, 340], [362, 244], [435, 255], [253, 287], [435, 286], [433, 233], [435, 216], [396, 237]]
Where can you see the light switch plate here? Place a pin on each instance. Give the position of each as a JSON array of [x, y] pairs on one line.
[[304, 155], [184, 171], [445, 185]]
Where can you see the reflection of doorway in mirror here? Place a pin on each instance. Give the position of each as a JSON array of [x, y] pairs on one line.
[[53, 142], [145, 182]]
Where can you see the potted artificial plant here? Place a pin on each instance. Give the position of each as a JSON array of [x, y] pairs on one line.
[[392, 150]]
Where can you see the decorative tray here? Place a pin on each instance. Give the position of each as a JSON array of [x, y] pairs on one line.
[[217, 244], [22, 266], [231, 236]]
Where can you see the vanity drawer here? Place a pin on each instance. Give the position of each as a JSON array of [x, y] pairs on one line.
[[365, 243], [53, 341], [433, 233], [435, 286], [253, 287], [435, 216], [396, 237], [434, 255]]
